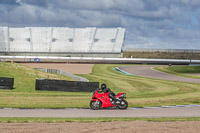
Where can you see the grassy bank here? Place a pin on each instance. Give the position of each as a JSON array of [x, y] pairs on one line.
[[24, 95], [25, 76], [140, 91], [146, 91], [185, 71], [162, 55], [62, 120]]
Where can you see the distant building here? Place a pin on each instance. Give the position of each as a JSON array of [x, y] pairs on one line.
[[62, 41]]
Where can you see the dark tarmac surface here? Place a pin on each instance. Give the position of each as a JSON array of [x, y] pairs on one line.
[[147, 71], [64, 113]]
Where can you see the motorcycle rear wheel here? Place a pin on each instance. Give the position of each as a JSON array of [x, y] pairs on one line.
[[123, 105], [95, 105]]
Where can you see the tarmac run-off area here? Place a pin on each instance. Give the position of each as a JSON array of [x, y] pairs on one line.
[[192, 111], [148, 71]]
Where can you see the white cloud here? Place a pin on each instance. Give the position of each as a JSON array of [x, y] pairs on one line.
[[160, 24]]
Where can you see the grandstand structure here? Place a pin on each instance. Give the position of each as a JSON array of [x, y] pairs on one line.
[[62, 41]]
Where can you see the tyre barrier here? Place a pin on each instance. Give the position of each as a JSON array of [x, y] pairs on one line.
[[64, 85], [6, 83]]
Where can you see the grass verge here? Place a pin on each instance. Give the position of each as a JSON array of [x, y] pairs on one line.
[[161, 55], [184, 71], [85, 120], [24, 94]]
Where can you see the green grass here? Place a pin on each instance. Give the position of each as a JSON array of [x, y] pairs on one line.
[[146, 91], [161, 55], [25, 76], [140, 91], [86, 120], [24, 95], [184, 71]]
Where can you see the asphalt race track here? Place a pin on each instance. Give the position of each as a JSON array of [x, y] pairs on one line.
[[131, 112], [147, 71]]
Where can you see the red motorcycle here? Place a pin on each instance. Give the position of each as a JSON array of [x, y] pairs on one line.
[[102, 100]]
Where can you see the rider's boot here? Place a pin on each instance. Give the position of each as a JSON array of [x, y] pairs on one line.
[[114, 100]]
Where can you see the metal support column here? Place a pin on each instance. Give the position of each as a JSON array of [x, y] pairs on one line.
[[90, 50], [31, 39], [113, 48]]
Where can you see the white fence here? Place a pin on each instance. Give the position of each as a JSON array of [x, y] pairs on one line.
[[64, 73], [105, 60]]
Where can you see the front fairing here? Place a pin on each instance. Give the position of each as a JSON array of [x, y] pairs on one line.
[[103, 97], [121, 95], [105, 100]]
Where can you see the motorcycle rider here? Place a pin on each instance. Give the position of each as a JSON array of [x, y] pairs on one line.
[[107, 90]]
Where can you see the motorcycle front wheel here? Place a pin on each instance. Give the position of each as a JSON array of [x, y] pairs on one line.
[[123, 105], [95, 105]]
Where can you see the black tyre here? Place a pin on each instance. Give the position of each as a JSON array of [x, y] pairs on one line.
[[95, 105], [123, 105]]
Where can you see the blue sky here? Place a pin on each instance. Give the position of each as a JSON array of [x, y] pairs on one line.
[[158, 24]]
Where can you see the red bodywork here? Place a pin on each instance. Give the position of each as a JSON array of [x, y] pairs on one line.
[[104, 98]]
